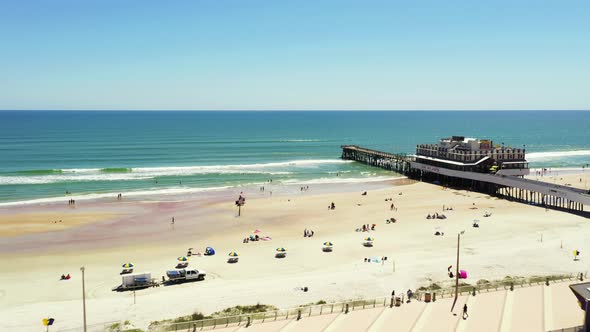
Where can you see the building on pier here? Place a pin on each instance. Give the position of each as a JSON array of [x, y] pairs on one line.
[[473, 155]]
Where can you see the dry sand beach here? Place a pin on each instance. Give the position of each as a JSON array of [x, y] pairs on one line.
[[517, 240]]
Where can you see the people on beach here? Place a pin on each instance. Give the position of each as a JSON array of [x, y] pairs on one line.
[[332, 206], [576, 254], [71, 202], [449, 272], [465, 314], [172, 220]]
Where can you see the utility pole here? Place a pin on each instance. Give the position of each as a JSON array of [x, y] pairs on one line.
[[83, 298], [457, 274]]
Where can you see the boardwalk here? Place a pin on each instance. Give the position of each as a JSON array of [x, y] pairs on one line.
[[536, 308]]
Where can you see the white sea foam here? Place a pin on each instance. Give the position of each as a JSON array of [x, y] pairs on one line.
[[143, 173], [85, 197], [534, 156]]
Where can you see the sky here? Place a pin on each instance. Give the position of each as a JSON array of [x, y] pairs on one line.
[[294, 55]]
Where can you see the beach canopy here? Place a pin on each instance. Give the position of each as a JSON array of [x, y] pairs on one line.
[[128, 265], [233, 254], [328, 244], [281, 249], [182, 259], [369, 239], [209, 251]]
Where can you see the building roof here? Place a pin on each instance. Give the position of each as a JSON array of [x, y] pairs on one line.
[[582, 290]]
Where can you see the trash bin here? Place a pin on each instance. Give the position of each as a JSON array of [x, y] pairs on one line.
[[427, 297]]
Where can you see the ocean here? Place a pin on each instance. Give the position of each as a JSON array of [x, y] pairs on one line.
[[44, 154]]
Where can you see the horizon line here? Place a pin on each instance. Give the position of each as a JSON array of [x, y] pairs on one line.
[[293, 110]]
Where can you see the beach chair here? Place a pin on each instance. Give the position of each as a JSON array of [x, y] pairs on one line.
[[280, 255], [126, 271]]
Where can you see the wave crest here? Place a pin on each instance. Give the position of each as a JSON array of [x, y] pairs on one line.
[[533, 156], [144, 173]]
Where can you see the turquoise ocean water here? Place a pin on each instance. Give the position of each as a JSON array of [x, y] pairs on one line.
[[44, 154]]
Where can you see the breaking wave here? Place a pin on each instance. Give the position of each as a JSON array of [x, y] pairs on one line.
[[144, 173], [534, 156]]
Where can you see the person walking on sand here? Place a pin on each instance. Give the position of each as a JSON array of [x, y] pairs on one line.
[[172, 220], [465, 314]]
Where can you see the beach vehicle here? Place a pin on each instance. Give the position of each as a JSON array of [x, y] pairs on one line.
[[183, 275], [136, 281]]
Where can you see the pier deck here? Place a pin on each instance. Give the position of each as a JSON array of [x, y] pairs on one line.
[[509, 187]]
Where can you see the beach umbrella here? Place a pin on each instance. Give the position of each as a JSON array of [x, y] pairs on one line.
[[369, 239], [328, 244], [209, 251], [256, 231], [281, 249], [128, 265], [233, 254], [182, 259]]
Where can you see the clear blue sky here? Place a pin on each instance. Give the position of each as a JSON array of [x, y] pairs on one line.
[[242, 54]]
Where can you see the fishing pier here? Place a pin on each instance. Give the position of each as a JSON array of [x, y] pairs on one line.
[[475, 165], [389, 161]]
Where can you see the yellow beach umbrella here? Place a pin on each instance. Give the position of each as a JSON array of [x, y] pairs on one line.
[[182, 259], [233, 254], [369, 239], [328, 244]]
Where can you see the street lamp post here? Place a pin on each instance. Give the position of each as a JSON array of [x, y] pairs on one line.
[[83, 298], [457, 274]]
